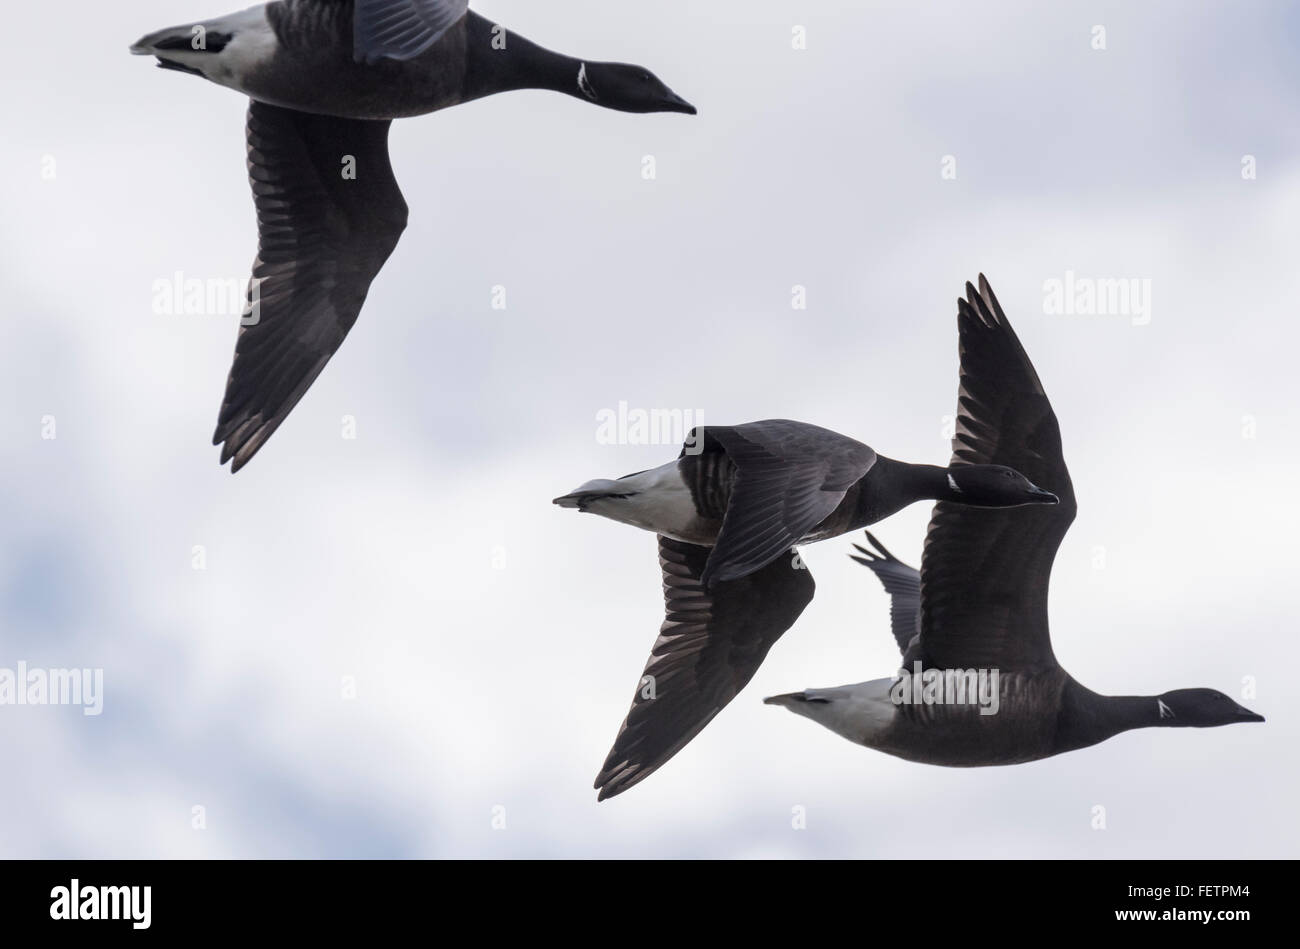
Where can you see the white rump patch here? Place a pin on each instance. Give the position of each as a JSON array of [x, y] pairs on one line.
[[657, 500], [861, 713], [252, 44]]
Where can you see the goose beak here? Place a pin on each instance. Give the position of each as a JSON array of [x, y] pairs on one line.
[[675, 103], [1042, 497], [1246, 715]]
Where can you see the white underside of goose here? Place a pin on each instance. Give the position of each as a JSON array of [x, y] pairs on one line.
[[657, 500], [252, 45], [861, 712]]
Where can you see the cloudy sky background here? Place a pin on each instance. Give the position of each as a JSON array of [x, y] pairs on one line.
[[378, 557]]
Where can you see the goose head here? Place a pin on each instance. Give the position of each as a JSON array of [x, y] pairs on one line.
[[1200, 708], [994, 486], [628, 88]]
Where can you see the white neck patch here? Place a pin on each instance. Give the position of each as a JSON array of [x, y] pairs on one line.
[[584, 84], [953, 484], [1165, 710]]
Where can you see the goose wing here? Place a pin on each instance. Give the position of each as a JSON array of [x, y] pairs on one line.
[[323, 235], [710, 645], [902, 583], [401, 29], [789, 477], [984, 571]]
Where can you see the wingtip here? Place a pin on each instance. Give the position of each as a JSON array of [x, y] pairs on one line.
[[873, 556], [991, 299], [875, 542], [606, 787], [229, 453]]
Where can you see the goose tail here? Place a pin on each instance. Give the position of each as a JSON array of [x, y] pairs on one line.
[[150, 43], [191, 40], [593, 491]]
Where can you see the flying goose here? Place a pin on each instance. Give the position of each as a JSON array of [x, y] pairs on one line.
[[729, 513], [979, 601], [325, 78]]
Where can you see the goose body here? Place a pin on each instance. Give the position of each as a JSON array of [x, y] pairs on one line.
[[303, 55], [751, 492], [954, 735], [978, 605], [687, 499], [324, 80]]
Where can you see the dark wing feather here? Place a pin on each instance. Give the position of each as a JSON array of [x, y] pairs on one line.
[[709, 647], [902, 583], [322, 238], [984, 571], [789, 477], [401, 29]]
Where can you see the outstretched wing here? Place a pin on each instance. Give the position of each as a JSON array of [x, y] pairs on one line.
[[789, 477], [902, 583], [984, 571], [401, 29], [709, 647], [329, 213]]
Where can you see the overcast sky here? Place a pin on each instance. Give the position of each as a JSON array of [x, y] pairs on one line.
[[496, 640]]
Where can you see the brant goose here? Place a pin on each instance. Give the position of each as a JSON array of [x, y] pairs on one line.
[[728, 518], [748, 493], [972, 624], [325, 79]]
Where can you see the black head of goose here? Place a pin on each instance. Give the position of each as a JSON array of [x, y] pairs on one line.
[[325, 78], [729, 512], [979, 683]]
